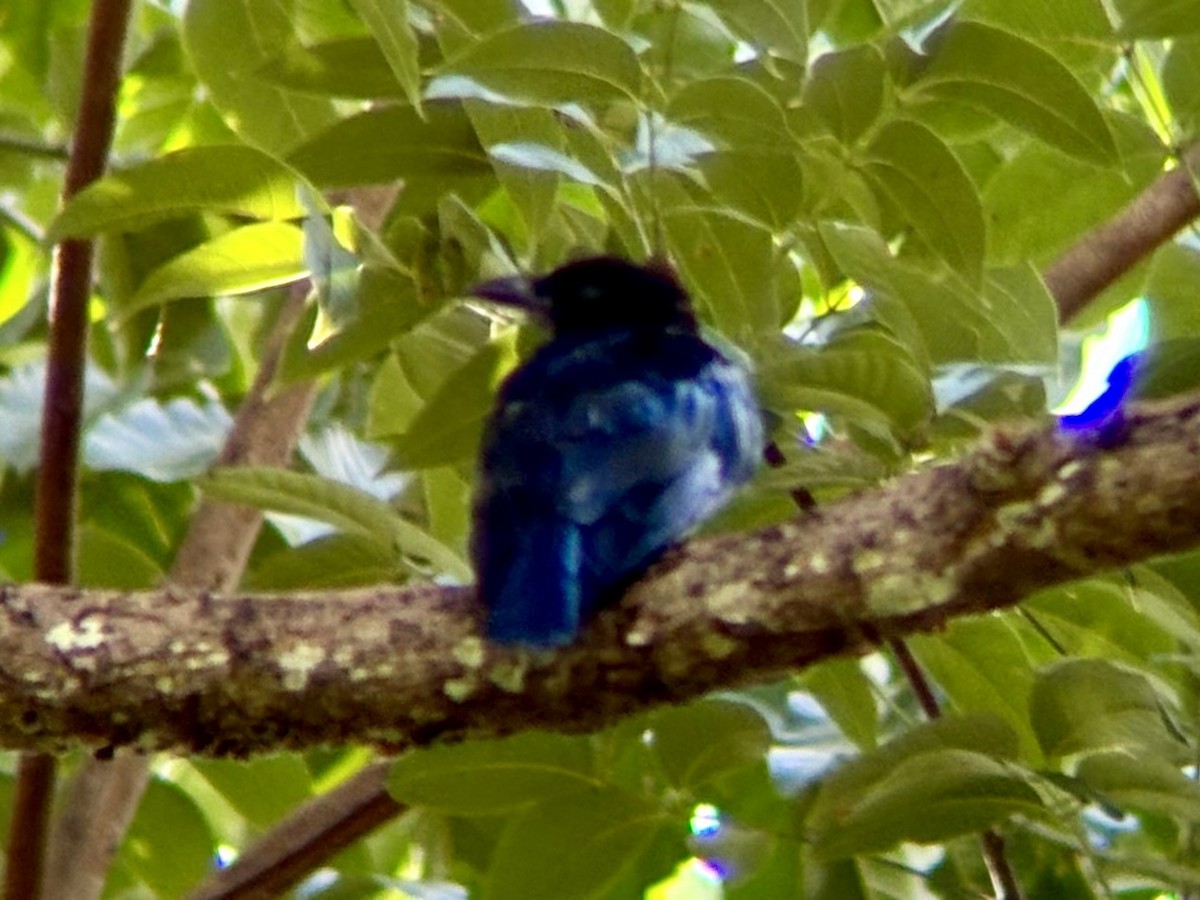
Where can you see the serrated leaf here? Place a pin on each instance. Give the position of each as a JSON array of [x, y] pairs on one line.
[[573, 847], [388, 21], [222, 178], [546, 62], [703, 740], [1088, 705], [227, 42], [448, 427], [957, 792], [393, 142], [245, 259], [352, 67], [931, 190], [846, 90], [491, 777], [1013, 78]]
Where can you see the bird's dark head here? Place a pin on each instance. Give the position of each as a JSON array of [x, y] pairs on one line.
[[596, 294]]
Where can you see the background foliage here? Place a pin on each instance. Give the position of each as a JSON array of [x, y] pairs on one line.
[[858, 193]]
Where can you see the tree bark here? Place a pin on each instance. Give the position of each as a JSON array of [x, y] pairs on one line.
[[401, 667]]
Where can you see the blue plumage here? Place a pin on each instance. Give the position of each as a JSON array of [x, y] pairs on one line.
[[618, 437]]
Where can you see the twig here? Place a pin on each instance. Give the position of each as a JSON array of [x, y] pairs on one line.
[[57, 488], [305, 839]]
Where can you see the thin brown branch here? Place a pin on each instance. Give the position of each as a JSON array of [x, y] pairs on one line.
[[56, 493], [305, 839], [212, 556], [1103, 255], [235, 675]]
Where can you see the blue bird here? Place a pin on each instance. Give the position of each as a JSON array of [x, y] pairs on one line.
[[617, 437]]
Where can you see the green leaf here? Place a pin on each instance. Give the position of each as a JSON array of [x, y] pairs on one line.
[[539, 157], [844, 692], [780, 26], [1016, 80], [169, 845], [1147, 785], [544, 62], [1156, 18], [701, 741], [982, 665], [1171, 291], [1088, 705], [862, 374], [393, 142], [931, 190], [388, 306], [224, 178], [956, 791], [1011, 320], [1180, 75], [245, 259], [227, 42], [483, 778], [855, 781], [329, 562], [1040, 200], [389, 23], [448, 427], [572, 847], [727, 262], [735, 111], [346, 508], [341, 505], [1096, 618], [846, 90], [768, 187], [263, 790], [351, 67], [110, 560]]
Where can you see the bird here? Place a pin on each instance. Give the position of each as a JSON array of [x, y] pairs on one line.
[[619, 436]]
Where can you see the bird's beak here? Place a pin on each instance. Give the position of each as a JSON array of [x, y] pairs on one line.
[[517, 291]]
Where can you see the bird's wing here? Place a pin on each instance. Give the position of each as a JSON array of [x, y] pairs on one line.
[[585, 484]]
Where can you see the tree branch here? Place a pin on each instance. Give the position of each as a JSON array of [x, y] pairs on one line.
[[1106, 253], [407, 667]]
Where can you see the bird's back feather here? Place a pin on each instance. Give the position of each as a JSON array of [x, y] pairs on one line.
[[603, 451]]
